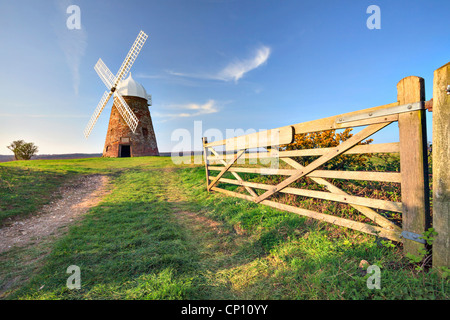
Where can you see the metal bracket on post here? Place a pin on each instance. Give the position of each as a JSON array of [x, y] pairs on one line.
[[413, 236], [382, 112]]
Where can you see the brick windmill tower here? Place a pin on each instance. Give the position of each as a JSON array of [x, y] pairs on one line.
[[130, 130], [121, 141]]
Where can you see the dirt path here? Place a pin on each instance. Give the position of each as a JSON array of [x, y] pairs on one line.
[[74, 201]]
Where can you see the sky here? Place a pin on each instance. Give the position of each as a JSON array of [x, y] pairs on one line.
[[211, 66]]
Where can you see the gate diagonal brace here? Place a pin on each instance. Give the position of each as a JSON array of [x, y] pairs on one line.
[[325, 158], [237, 176], [225, 169], [366, 211]]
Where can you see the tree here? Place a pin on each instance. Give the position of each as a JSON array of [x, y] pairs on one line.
[[23, 150], [328, 139]]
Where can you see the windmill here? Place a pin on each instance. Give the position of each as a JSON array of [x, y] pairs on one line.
[[112, 82]]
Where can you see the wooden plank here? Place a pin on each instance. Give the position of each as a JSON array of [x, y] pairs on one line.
[[394, 177], [224, 169], [392, 147], [283, 172], [413, 162], [441, 165], [262, 139], [330, 123], [369, 213], [274, 137], [359, 226], [358, 175], [349, 199], [205, 158], [249, 190], [366, 132]]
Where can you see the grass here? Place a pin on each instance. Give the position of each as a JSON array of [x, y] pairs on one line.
[[160, 235], [126, 237], [25, 190]]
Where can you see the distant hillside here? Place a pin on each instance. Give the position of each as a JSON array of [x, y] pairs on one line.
[[5, 158]]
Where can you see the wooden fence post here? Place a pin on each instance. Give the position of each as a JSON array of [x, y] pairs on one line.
[[441, 166], [413, 162], [205, 159]]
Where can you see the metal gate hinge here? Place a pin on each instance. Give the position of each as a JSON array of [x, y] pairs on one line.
[[382, 112], [413, 236]]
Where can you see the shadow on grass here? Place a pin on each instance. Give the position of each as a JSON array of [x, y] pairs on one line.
[[125, 250]]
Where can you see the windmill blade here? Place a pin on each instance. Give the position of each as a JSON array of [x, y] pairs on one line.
[[101, 105], [126, 112], [131, 57], [105, 74]]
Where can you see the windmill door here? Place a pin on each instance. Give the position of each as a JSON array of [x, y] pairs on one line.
[[124, 151]]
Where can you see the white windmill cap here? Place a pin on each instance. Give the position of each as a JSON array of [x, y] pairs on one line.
[[130, 87]]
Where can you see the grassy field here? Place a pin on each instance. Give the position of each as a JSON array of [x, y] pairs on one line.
[[160, 235]]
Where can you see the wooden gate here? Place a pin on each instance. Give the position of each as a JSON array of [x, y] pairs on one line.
[[408, 112]]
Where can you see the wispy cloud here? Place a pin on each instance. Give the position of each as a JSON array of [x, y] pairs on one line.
[[234, 70], [190, 110], [147, 76], [72, 42], [237, 69]]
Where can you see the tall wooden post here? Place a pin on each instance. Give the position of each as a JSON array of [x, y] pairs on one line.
[[205, 159], [413, 162], [441, 166]]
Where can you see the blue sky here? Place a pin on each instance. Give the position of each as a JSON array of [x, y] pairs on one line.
[[230, 64]]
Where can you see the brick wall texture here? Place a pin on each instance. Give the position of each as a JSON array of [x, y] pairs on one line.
[[142, 142]]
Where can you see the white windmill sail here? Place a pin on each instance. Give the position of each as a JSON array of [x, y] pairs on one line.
[[101, 105], [126, 112], [103, 72], [131, 57], [112, 82]]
